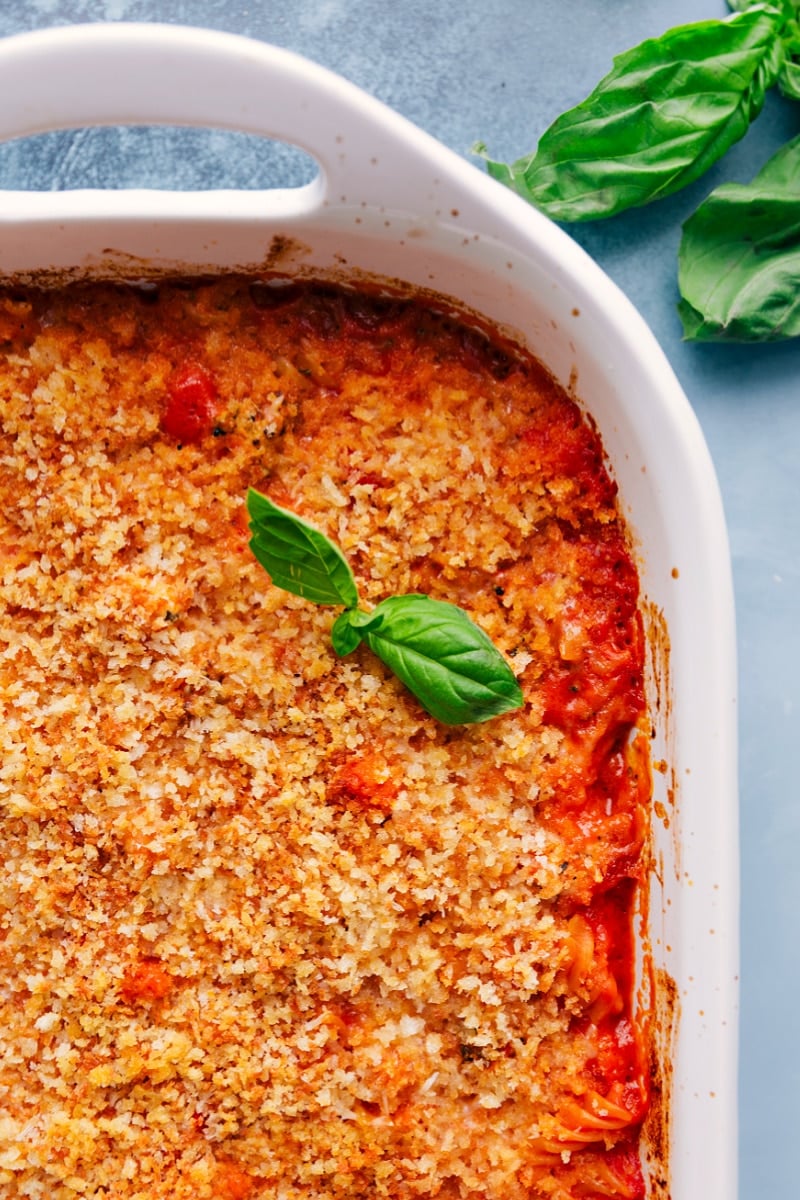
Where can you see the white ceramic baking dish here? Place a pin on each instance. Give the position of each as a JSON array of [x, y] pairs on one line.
[[390, 202]]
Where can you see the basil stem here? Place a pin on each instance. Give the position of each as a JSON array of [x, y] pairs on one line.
[[739, 258], [666, 112], [433, 647]]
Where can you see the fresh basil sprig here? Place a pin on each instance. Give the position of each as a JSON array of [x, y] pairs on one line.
[[440, 654], [739, 258], [666, 112]]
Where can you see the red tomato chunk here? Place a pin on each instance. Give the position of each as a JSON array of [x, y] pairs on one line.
[[192, 405]]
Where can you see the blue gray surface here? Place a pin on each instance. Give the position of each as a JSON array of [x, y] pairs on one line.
[[502, 71]]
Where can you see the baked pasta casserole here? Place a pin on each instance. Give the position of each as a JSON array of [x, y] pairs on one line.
[[267, 928]]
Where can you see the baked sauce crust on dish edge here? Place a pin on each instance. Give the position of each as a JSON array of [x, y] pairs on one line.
[[268, 929]]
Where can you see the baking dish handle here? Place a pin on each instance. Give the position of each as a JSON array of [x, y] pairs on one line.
[[151, 74]]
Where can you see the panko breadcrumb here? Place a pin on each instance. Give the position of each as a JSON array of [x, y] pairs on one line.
[[267, 929]]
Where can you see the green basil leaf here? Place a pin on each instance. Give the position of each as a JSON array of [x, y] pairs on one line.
[[349, 628], [739, 258], [344, 636], [444, 658], [789, 74], [666, 112], [297, 556], [789, 80]]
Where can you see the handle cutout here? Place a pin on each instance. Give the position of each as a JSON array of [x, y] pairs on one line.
[[163, 157]]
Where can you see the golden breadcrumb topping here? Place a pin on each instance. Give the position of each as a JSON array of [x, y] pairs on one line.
[[267, 929]]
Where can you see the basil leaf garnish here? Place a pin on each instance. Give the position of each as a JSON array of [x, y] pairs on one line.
[[349, 628], [297, 557], [739, 258], [444, 658], [344, 637], [666, 112], [439, 653]]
